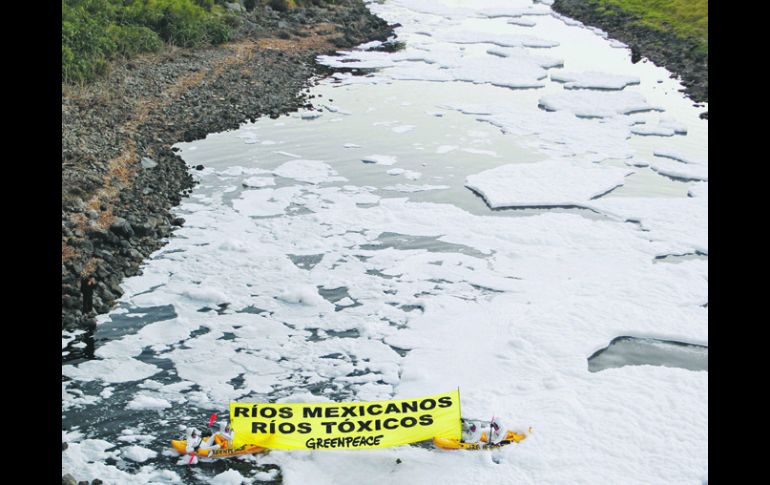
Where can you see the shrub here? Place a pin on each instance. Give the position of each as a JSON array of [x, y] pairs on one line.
[[97, 31], [131, 40], [282, 5]]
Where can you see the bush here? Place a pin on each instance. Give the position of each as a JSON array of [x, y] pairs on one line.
[[86, 44], [282, 5], [131, 40], [95, 32]]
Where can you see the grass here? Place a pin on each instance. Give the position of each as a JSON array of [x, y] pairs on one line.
[[683, 18]]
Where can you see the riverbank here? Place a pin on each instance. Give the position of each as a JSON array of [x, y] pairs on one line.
[[676, 40], [120, 176]]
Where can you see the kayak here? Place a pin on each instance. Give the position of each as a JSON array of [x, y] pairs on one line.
[[181, 447], [454, 444]]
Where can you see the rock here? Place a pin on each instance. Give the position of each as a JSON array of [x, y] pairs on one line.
[[148, 163], [77, 205], [234, 7], [96, 481], [143, 229], [69, 301], [68, 480], [122, 228], [177, 221], [199, 167], [704, 115], [64, 446]]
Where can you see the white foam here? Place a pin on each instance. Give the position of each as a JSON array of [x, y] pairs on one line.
[[258, 182], [680, 223], [502, 40], [594, 80], [403, 128], [596, 104], [679, 170], [310, 115], [138, 454], [229, 477], [675, 155], [265, 202], [673, 164], [357, 60], [111, 371], [379, 159], [446, 148], [413, 188], [523, 22], [310, 171], [700, 189], [287, 154], [477, 151], [145, 402], [520, 55], [548, 183], [665, 127]]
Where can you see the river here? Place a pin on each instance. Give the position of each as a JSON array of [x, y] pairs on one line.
[[484, 209]]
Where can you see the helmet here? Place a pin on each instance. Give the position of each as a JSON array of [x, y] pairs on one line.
[[228, 428], [206, 433], [193, 432]]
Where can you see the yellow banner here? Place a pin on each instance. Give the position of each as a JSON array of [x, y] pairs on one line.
[[346, 425]]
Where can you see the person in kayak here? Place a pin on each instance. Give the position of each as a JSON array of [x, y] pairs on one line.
[[199, 442], [207, 441], [224, 437], [471, 432], [498, 432], [193, 440]]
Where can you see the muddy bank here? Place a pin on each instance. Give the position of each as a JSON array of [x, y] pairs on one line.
[[120, 177], [680, 56]]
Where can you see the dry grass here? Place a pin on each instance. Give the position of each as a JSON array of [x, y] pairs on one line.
[[88, 268], [319, 37], [67, 252]]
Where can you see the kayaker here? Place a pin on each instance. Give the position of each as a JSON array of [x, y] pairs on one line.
[[207, 441], [193, 440], [498, 432], [471, 432], [224, 437]]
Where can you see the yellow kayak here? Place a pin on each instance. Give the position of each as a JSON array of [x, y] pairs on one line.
[[181, 447], [453, 444]]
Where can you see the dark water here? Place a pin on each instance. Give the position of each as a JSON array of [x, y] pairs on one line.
[[623, 351]]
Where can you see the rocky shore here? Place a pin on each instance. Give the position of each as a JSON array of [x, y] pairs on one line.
[[680, 56], [120, 176]]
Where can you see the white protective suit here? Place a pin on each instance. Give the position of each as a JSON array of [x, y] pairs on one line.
[[498, 432], [226, 433], [193, 440]]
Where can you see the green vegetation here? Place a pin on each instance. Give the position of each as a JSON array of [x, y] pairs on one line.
[[95, 32], [684, 18]]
